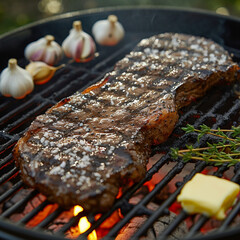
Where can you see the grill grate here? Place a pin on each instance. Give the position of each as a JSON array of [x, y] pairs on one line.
[[220, 108]]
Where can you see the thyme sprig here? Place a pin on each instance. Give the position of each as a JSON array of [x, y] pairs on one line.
[[226, 150]]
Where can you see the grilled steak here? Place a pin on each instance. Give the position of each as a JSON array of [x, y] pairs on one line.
[[83, 149]]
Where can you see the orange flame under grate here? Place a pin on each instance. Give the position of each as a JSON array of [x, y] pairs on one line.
[[84, 224]]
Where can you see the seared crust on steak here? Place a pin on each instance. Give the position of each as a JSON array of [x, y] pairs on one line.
[[83, 149]]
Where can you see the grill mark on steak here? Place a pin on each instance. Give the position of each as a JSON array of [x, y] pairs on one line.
[[88, 145]]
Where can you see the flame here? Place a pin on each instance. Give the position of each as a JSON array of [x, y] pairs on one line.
[[150, 185], [120, 193], [42, 215], [84, 224], [156, 178]]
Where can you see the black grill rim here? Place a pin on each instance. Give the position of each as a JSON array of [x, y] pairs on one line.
[[118, 9], [23, 233]]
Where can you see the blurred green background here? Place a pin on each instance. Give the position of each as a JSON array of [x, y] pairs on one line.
[[15, 13]]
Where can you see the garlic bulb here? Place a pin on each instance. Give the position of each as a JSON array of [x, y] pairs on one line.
[[15, 81], [41, 72], [108, 32], [79, 45], [45, 49]]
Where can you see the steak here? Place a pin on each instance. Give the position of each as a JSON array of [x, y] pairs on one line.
[[91, 144]]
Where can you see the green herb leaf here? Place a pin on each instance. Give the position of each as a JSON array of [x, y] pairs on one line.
[[226, 150], [174, 153], [189, 128]]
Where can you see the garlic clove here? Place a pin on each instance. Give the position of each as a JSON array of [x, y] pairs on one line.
[[108, 32], [79, 45], [38, 54], [88, 48], [15, 81], [45, 50], [41, 72]]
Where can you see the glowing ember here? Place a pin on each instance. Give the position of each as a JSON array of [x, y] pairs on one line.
[[84, 224], [150, 185], [42, 215], [77, 210], [119, 193]]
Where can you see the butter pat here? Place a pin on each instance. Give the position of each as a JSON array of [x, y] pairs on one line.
[[208, 195]]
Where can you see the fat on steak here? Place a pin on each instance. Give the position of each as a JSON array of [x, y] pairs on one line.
[[87, 146]]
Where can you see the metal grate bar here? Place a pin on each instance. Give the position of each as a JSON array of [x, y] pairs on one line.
[[146, 199], [8, 236], [148, 177], [12, 190], [180, 218], [194, 110], [49, 219], [28, 117], [34, 212], [62, 76], [5, 160], [227, 115], [8, 144], [203, 219], [63, 82], [236, 177], [6, 176], [72, 222], [234, 212], [210, 111], [23, 234], [16, 109], [98, 222], [4, 137], [72, 87], [167, 203], [19, 204], [4, 105]]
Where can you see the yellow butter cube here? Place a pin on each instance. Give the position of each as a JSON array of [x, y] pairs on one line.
[[208, 195]]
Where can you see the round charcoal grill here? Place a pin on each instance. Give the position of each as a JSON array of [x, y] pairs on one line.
[[220, 108]]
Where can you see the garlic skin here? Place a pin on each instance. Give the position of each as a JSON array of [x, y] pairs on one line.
[[45, 49], [108, 32], [79, 45], [15, 81], [41, 72]]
